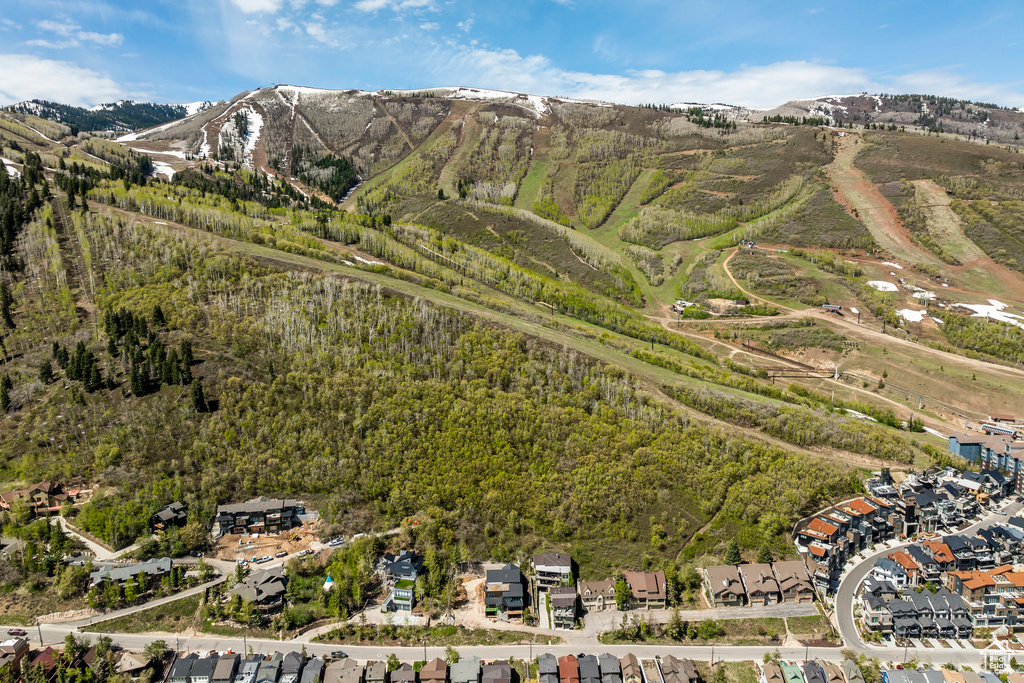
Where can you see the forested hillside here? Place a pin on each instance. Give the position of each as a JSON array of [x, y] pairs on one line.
[[123, 117]]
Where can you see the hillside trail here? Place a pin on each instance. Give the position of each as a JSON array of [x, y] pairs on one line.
[[394, 121], [856, 192]]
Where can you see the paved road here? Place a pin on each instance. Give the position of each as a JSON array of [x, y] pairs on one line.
[[851, 580]]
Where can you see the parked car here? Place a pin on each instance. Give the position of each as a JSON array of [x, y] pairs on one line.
[[281, 553], [338, 654], [17, 632], [241, 562]]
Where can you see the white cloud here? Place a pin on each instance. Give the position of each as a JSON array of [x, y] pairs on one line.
[[26, 77], [258, 6], [74, 36], [320, 33], [466, 25], [430, 26], [108, 39], [396, 5]]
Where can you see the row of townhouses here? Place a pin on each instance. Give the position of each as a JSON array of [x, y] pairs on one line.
[[758, 584], [920, 504]]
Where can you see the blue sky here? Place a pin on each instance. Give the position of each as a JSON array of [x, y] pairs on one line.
[[740, 52]]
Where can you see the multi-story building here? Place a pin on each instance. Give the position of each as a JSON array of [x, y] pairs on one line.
[[563, 606], [504, 596], [552, 569]]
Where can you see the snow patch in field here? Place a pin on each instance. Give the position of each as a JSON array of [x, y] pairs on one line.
[[132, 137], [994, 310], [368, 262], [169, 152], [255, 126], [911, 315], [894, 265], [883, 286], [11, 170], [160, 168], [924, 294], [195, 107], [939, 321]]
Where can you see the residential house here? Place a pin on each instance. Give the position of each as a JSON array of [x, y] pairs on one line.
[[376, 672], [468, 671], [258, 516], [434, 671], [47, 660], [563, 606], [675, 670], [313, 672], [760, 584], [504, 596], [226, 668], [942, 555], [930, 570], [247, 669], [909, 565], [890, 570], [153, 569], [852, 671], [270, 669], [181, 670], [590, 669], [771, 672], [724, 586], [792, 673], [631, 670], [647, 589], [400, 573], [875, 614], [12, 652], [291, 667], [832, 672], [933, 676], [794, 581], [44, 498], [345, 671], [404, 674], [611, 671], [265, 589], [496, 672], [547, 669], [132, 664], [202, 670], [597, 596], [169, 516], [551, 570], [568, 669], [812, 672]]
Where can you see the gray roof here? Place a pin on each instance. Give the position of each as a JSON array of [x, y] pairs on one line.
[[183, 666], [292, 663], [548, 664], [589, 668], [151, 567], [609, 664], [404, 673], [376, 671], [496, 672], [560, 560], [266, 585], [313, 672], [203, 668], [258, 505], [465, 670]]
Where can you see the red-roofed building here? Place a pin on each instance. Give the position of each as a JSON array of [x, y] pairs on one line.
[[909, 564]]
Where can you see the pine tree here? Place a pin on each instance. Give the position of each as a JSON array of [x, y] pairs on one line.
[[158, 316], [5, 393], [6, 303], [764, 554], [732, 553], [46, 372], [198, 399], [135, 380], [95, 380]]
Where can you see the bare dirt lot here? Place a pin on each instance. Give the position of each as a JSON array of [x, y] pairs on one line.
[[228, 547]]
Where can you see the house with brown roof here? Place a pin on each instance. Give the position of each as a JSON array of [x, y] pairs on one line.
[[631, 670], [941, 553], [911, 566], [434, 671], [818, 530], [675, 670], [563, 606], [794, 581], [496, 672], [44, 498], [647, 589], [597, 596], [724, 586], [12, 652], [761, 586], [771, 672], [568, 669]]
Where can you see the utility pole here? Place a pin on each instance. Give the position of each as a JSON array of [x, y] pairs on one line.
[[40, 630]]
